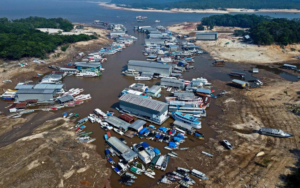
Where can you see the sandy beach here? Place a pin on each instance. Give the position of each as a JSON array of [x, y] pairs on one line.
[[188, 10], [231, 48]]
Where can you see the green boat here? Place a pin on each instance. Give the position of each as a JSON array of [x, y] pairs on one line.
[[75, 116], [85, 134], [135, 170]]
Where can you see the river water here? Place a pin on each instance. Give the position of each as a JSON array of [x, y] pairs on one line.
[[106, 88]]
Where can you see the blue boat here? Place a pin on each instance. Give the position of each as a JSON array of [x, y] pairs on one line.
[[107, 153], [186, 118], [105, 137]]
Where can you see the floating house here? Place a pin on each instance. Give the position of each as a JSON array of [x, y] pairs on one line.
[[117, 122], [138, 125], [154, 91], [41, 95], [122, 149], [64, 99], [149, 42], [145, 108], [152, 67], [171, 82], [207, 36]]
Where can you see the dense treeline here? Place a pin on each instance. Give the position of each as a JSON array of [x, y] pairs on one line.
[[293, 180], [276, 31], [215, 4], [19, 38], [263, 30], [238, 20]]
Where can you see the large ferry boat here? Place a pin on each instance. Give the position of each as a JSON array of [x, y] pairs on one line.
[[186, 118]]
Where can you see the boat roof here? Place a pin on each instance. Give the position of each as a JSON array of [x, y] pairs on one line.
[[271, 130], [207, 91], [144, 102]]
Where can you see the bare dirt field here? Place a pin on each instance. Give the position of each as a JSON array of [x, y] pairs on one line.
[[51, 157], [233, 49]]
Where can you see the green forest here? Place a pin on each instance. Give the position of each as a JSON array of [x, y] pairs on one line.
[[19, 38], [215, 4], [263, 30]]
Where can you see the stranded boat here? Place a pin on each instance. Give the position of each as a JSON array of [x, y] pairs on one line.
[[186, 118], [274, 132], [142, 78]]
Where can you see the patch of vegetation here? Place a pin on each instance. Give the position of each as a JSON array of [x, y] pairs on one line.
[[263, 30], [239, 33], [19, 38], [266, 162], [64, 47], [200, 27]]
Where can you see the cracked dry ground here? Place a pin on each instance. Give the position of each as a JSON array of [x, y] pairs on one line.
[[242, 113], [247, 111]]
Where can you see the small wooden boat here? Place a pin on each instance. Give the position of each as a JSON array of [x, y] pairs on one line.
[[183, 169], [168, 148], [130, 175], [183, 148]]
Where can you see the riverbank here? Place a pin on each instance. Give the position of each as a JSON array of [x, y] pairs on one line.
[[51, 157], [233, 49], [10, 70], [187, 10]]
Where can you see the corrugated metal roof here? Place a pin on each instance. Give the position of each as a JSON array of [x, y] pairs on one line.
[[48, 86], [36, 91], [137, 124], [23, 86], [66, 98], [117, 122], [118, 144], [207, 33], [207, 91], [143, 101], [184, 94], [148, 64]]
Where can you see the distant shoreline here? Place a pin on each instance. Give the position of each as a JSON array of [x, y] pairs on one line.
[[227, 11]]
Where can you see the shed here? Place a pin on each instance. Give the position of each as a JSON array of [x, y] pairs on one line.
[[56, 87], [137, 125], [42, 95], [149, 42], [152, 67], [122, 149], [171, 82], [207, 36], [154, 91], [117, 122], [143, 107], [64, 99]]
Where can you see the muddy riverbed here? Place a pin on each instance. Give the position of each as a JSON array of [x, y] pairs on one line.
[[105, 91]]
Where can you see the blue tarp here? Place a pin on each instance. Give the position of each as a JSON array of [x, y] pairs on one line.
[[172, 145], [147, 131], [156, 151], [152, 127], [145, 144], [157, 135], [163, 129], [180, 136], [177, 139], [143, 130]]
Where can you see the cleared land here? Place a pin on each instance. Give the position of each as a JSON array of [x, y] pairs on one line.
[[233, 49]]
